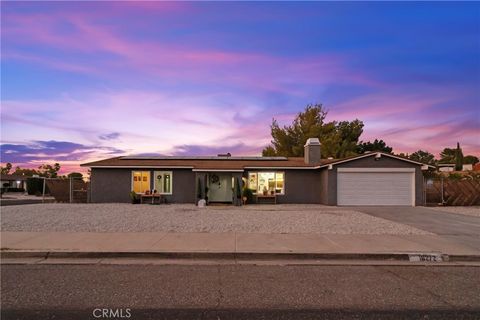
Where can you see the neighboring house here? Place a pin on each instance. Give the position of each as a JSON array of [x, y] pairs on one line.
[[13, 182], [450, 167], [368, 179], [476, 167], [446, 167]]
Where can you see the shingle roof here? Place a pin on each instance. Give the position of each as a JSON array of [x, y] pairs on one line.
[[205, 163], [223, 163]]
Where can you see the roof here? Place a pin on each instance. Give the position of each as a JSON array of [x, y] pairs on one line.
[[226, 163], [11, 177], [203, 163]]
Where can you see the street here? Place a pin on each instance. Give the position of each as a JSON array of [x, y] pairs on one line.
[[134, 291]]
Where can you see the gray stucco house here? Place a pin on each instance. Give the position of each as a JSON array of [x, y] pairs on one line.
[[368, 179]]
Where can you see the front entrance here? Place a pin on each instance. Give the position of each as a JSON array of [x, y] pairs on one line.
[[220, 188]]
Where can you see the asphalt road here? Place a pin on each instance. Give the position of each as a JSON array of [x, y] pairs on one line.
[[240, 292]]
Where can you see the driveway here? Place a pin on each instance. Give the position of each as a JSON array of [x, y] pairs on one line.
[[456, 227]]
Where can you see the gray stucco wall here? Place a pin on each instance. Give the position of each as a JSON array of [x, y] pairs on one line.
[[370, 162], [114, 185], [301, 186]]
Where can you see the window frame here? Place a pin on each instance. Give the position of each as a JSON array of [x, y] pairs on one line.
[[255, 190], [163, 172], [149, 173]]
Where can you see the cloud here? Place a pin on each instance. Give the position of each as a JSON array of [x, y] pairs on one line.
[[109, 136], [49, 151]]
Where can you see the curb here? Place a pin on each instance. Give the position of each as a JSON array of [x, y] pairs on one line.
[[233, 256]]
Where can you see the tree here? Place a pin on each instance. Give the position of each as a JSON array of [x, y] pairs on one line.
[[49, 171], [458, 158], [423, 157], [377, 145], [75, 175], [25, 172], [339, 139], [7, 168], [447, 156], [470, 160]]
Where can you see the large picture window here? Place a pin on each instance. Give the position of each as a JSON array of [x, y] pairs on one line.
[[267, 182], [140, 181], [164, 182]]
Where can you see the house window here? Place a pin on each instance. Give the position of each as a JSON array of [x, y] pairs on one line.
[[140, 181], [267, 182], [164, 182]]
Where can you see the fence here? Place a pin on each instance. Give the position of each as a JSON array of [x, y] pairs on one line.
[[452, 192], [72, 190]]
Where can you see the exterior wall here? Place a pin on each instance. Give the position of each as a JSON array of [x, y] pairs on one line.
[[301, 186], [324, 176], [114, 185], [371, 162]]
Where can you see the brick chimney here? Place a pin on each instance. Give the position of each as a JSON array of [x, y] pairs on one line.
[[312, 151]]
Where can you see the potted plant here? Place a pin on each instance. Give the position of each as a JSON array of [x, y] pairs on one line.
[[206, 194], [134, 197], [247, 195]]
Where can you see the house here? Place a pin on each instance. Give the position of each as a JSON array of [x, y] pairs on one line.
[[13, 182], [368, 179], [446, 167]]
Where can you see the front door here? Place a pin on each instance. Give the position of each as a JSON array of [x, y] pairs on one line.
[[220, 187]]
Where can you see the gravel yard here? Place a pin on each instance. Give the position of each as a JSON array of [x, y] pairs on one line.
[[469, 211], [188, 218]]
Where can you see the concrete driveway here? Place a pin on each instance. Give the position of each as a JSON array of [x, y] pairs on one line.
[[459, 228]]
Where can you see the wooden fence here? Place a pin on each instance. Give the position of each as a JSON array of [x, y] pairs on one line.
[[455, 192], [64, 190]]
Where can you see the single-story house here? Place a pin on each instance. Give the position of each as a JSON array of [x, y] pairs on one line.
[[369, 179], [14, 182]]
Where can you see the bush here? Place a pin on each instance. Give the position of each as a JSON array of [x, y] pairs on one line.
[[134, 197], [35, 186], [248, 193]]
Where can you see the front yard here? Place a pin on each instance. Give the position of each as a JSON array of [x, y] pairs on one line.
[[188, 218]]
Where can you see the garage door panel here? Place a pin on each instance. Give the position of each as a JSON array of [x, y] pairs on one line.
[[375, 188]]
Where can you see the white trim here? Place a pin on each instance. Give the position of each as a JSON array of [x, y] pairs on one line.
[[218, 170], [255, 192], [142, 167], [411, 170], [163, 172], [131, 179], [347, 160], [376, 154]]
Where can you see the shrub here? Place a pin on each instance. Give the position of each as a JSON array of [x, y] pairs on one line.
[[134, 197], [35, 186], [248, 193]]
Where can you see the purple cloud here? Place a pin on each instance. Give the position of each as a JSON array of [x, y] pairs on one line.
[[51, 151]]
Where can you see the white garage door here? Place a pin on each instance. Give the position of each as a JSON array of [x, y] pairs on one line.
[[376, 186]]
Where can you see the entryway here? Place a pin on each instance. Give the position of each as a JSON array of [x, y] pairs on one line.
[[220, 187]]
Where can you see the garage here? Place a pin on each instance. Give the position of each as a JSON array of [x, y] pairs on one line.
[[376, 186]]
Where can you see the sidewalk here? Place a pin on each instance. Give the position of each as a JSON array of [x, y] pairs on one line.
[[229, 243]]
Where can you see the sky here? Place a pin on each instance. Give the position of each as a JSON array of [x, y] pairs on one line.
[[83, 81]]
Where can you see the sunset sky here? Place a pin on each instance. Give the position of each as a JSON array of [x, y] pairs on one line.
[[85, 81]]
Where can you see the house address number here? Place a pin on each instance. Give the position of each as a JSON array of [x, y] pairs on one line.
[[428, 257]]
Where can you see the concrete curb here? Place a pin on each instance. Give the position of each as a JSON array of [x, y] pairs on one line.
[[228, 255]]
